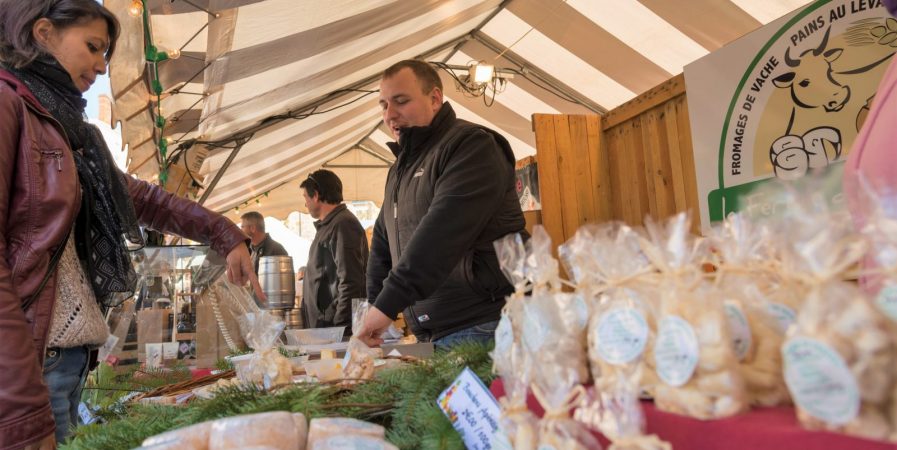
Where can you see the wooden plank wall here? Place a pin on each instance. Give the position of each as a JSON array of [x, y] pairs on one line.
[[574, 178], [640, 164]]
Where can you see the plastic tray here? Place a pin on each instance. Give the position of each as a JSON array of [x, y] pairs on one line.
[[315, 336]]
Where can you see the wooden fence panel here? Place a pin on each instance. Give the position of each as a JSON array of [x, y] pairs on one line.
[[549, 178], [576, 173], [637, 161]]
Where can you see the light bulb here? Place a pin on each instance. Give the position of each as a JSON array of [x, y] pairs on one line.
[[136, 8], [174, 53], [482, 73]]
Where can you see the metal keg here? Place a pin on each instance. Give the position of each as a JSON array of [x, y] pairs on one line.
[[279, 313], [293, 319], [278, 281]]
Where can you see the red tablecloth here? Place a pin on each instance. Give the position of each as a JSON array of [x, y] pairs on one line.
[[759, 429], [199, 373]]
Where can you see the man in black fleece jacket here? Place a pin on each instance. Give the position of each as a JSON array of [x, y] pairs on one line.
[[448, 196], [336, 259]]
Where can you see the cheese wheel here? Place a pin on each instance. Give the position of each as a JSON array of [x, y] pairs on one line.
[[325, 427], [193, 437], [272, 429], [352, 442]]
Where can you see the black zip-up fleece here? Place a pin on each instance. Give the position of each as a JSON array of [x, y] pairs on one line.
[[449, 195], [335, 272]]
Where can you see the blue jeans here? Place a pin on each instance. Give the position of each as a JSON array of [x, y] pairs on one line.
[[65, 370], [483, 333]]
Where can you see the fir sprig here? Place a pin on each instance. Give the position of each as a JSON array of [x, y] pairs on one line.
[[402, 399]]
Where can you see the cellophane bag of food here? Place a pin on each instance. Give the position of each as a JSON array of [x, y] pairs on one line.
[[553, 337], [261, 331], [609, 268], [621, 419], [510, 361], [745, 277], [566, 315], [839, 357], [879, 274], [267, 367], [692, 351], [880, 269]]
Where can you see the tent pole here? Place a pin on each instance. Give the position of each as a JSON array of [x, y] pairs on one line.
[[220, 173]]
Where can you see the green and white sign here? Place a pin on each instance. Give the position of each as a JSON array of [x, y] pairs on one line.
[[783, 101]]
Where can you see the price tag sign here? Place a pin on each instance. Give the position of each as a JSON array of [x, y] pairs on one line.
[[472, 409]]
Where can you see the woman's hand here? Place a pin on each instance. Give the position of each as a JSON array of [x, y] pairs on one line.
[[240, 270]]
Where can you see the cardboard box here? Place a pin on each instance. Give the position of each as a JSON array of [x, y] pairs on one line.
[[153, 326], [210, 343]]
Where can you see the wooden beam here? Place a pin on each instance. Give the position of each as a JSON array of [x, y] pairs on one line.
[[655, 96]]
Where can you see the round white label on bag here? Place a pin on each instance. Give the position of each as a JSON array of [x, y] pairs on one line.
[[676, 351], [739, 330], [820, 381], [621, 335], [783, 315], [887, 300]]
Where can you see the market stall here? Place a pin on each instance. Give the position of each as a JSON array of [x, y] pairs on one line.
[[623, 337]]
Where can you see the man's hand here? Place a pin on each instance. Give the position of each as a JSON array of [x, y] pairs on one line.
[[240, 270], [374, 325], [47, 443]]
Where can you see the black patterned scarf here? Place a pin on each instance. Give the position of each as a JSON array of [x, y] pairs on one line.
[[107, 216]]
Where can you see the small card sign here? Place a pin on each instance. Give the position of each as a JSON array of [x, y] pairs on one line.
[[472, 410]]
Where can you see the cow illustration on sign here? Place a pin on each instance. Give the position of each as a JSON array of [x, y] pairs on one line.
[[821, 94]]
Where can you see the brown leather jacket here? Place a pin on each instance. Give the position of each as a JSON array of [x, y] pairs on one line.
[[39, 199]]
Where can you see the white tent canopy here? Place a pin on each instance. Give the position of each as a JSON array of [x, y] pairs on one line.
[[293, 80]]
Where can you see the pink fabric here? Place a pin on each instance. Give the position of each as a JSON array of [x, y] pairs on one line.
[[873, 159], [763, 429], [874, 153]]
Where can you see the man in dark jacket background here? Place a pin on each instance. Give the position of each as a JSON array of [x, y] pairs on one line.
[[337, 258], [448, 196], [261, 244]]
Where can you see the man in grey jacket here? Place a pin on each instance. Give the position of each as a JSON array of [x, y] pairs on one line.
[[448, 196], [338, 256]]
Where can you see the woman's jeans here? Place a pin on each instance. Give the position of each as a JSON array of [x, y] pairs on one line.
[[65, 370], [483, 333]]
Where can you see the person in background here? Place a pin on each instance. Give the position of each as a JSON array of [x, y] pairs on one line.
[[338, 256], [448, 196], [261, 244], [65, 212]]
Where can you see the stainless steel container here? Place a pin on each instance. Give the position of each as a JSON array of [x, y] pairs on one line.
[[279, 313], [278, 281], [293, 319]]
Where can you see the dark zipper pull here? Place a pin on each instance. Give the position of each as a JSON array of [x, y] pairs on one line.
[[55, 154]]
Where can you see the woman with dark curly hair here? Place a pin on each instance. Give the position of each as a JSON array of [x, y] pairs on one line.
[[65, 214]]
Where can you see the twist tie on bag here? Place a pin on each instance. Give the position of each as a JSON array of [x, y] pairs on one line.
[[510, 406], [651, 442], [851, 251], [680, 274], [573, 400], [614, 283]]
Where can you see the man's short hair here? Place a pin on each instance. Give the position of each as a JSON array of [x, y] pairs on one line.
[[423, 71], [326, 184], [255, 219]]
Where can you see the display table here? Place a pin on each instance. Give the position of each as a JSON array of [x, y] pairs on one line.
[[759, 429]]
